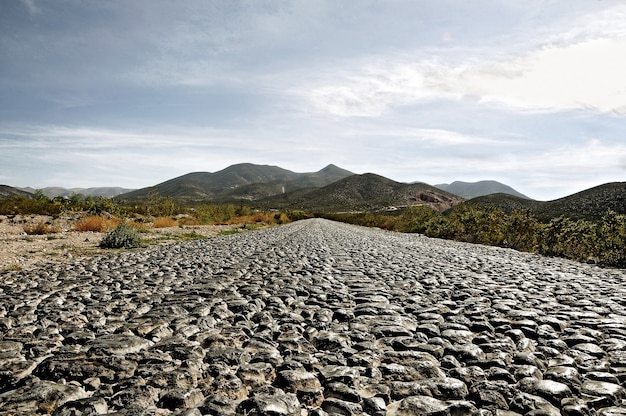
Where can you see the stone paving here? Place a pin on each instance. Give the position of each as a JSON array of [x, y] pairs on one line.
[[314, 318]]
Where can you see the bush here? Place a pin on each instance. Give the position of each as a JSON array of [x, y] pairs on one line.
[[297, 215], [122, 237], [164, 222], [23, 205], [96, 223], [40, 228]]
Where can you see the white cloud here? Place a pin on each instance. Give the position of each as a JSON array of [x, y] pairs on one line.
[[586, 75], [578, 66]]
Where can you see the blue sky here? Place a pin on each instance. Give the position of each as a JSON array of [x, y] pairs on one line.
[[134, 92]]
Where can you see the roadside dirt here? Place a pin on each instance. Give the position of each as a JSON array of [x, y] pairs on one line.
[[20, 251]]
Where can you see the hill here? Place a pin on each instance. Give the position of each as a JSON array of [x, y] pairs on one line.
[[245, 181], [367, 192], [9, 192], [590, 204], [469, 190]]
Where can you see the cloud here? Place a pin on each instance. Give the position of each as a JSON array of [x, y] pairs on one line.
[[555, 78], [579, 68]]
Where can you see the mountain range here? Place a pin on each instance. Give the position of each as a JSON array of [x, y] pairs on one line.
[[241, 182], [339, 190], [54, 191]]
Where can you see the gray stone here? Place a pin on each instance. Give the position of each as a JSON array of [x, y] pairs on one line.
[[87, 406], [270, 404], [613, 392], [39, 396], [273, 320], [335, 406], [117, 344], [550, 390], [177, 399], [429, 406]]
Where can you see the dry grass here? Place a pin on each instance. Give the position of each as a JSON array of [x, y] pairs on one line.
[[138, 225], [188, 221], [40, 228], [96, 223], [164, 222]]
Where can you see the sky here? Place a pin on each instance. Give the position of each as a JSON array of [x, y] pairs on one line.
[[132, 93]]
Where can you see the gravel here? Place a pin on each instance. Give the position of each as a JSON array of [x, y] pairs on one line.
[[314, 318]]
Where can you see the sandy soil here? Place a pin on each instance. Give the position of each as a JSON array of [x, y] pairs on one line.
[[19, 251]]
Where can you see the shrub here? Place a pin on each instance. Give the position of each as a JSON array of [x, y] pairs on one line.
[[24, 205], [164, 222], [414, 219], [123, 236], [297, 215], [96, 223], [40, 228]]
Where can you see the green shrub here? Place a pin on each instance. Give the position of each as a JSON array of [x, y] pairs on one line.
[[297, 215], [122, 237], [414, 219]]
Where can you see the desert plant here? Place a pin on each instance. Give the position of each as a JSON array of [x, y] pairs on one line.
[[123, 236], [96, 223], [164, 222], [40, 228]]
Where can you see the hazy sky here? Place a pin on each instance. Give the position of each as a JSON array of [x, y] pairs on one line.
[[134, 92]]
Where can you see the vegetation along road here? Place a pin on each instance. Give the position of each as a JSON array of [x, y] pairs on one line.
[[314, 318]]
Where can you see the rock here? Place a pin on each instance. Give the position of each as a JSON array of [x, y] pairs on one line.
[[39, 395], [256, 374], [117, 344], [552, 391], [444, 388], [528, 404], [300, 379], [612, 411], [314, 318], [335, 406], [375, 406], [217, 405], [429, 406], [566, 375], [270, 404], [180, 399], [614, 393], [312, 398], [87, 406]]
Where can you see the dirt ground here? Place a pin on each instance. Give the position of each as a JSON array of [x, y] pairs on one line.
[[20, 251]]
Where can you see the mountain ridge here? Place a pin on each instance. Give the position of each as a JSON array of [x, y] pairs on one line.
[[471, 190], [592, 203], [366, 192], [104, 191], [334, 188], [227, 184]]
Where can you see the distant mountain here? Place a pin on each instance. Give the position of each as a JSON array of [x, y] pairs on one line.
[[54, 191], [9, 192], [589, 204], [368, 192], [471, 190], [245, 181]]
